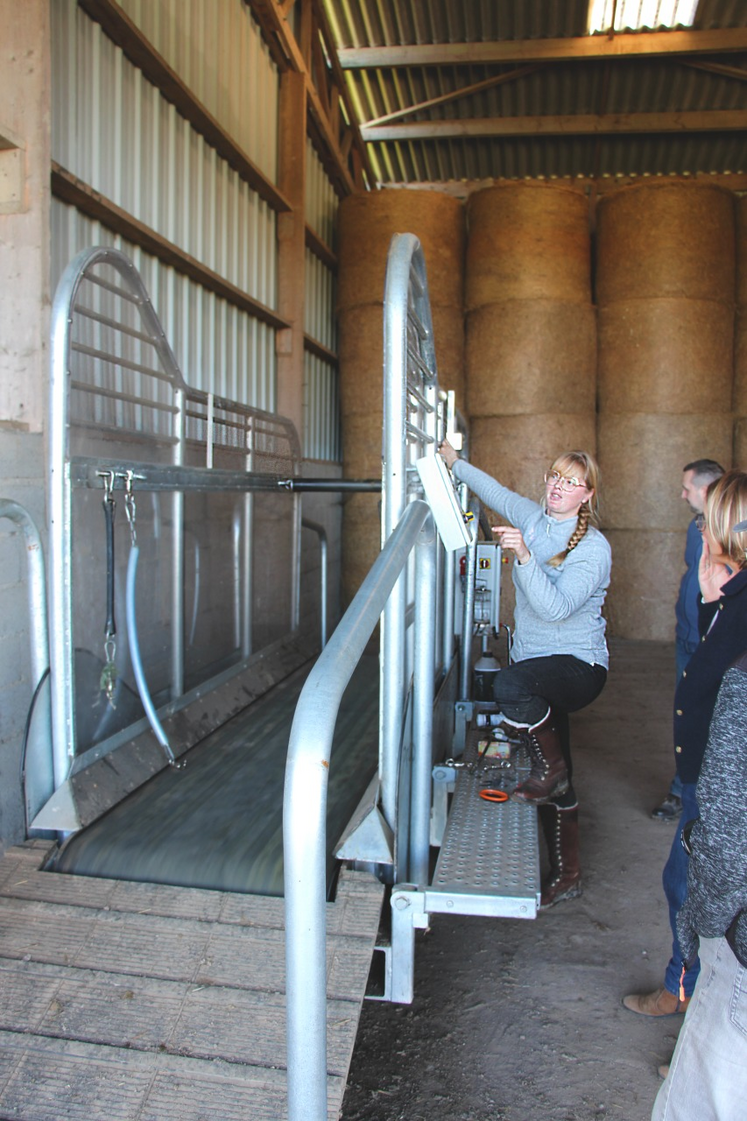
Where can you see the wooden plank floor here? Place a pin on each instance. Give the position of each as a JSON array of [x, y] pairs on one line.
[[127, 1001]]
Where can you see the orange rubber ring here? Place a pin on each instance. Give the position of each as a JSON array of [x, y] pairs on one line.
[[494, 795]]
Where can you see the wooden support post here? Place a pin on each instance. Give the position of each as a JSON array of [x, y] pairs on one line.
[[291, 232]]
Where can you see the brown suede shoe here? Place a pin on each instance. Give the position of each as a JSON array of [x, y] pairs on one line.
[[663, 1070], [659, 1003]]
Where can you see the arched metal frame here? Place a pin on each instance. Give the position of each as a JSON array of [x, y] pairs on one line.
[[409, 585], [140, 379]]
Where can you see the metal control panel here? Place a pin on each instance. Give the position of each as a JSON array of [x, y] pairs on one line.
[[487, 587]]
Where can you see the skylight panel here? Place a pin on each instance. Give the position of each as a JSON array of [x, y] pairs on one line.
[[636, 14]]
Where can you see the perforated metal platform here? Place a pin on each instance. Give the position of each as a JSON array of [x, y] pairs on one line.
[[489, 861]]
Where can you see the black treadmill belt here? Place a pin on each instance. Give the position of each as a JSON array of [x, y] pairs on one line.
[[218, 823]]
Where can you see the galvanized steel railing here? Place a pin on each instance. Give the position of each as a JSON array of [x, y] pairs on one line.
[[413, 658], [116, 390], [304, 818]]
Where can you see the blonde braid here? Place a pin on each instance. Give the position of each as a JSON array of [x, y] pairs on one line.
[[584, 517]]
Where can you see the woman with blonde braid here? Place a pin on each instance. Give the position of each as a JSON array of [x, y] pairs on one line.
[[559, 653]]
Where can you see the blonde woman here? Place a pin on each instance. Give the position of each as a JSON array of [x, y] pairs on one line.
[[723, 638], [559, 654]]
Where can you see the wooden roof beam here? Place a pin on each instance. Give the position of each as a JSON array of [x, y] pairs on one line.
[[276, 30], [455, 95], [715, 120], [640, 44]]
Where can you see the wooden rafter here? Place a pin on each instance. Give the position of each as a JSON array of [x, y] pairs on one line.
[[325, 124], [573, 49], [715, 120], [719, 68], [455, 95]]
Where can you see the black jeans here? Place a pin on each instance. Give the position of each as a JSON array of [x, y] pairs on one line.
[[564, 683]]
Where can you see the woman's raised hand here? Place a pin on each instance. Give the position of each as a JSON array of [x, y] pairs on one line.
[[510, 538], [711, 575], [449, 454]]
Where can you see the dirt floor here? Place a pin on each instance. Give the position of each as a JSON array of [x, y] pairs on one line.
[[524, 1021]]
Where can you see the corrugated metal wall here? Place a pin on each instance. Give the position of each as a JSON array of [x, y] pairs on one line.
[[216, 49], [115, 132], [321, 394]]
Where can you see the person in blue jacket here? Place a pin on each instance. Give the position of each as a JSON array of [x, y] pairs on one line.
[[559, 653], [723, 627], [696, 478]]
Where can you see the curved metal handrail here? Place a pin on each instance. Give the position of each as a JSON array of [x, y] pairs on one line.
[[304, 821], [43, 785]]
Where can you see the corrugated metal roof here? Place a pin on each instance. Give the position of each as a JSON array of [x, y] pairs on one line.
[[556, 89]]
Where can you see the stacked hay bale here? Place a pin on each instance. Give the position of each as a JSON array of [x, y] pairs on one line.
[[367, 224], [665, 287], [530, 333], [740, 342]]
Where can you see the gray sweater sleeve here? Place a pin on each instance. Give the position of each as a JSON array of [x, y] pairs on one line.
[[584, 571], [505, 502], [717, 874]]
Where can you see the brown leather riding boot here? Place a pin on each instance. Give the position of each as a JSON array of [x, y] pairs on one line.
[[560, 828], [548, 777]]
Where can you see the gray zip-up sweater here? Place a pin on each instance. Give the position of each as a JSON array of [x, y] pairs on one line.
[[717, 874], [558, 610]]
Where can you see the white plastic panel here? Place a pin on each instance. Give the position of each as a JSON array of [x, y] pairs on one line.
[[442, 499]]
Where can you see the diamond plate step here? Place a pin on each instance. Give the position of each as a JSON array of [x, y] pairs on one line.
[[489, 859]]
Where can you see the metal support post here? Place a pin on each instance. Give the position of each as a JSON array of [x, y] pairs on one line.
[[425, 641]]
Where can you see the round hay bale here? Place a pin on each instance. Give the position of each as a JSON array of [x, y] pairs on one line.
[[740, 443], [642, 457], [741, 211], [361, 446], [448, 336], [361, 354], [666, 239], [367, 223], [361, 540], [528, 356], [646, 569], [665, 356], [527, 241], [739, 400], [518, 450]]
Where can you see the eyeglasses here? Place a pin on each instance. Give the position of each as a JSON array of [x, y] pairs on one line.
[[554, 478], [700, 522]]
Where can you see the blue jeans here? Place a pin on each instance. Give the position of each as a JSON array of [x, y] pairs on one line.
[[683, 652], [708, 1073], [674, 880]]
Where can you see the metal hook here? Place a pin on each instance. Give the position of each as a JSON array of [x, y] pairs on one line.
[[108, 477], [130, 505]]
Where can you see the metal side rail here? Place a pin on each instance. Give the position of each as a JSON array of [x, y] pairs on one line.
[[488, 865]]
